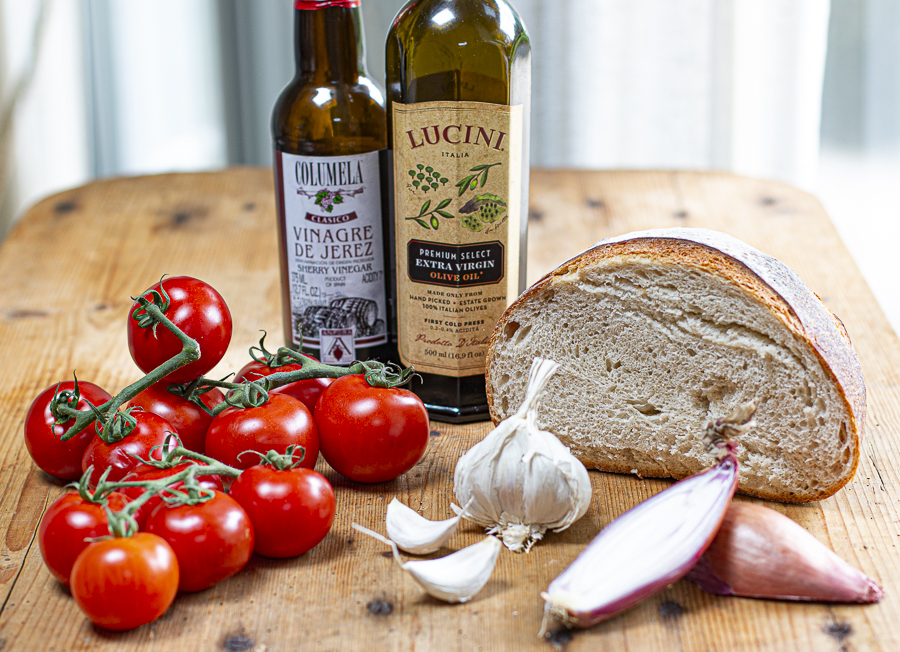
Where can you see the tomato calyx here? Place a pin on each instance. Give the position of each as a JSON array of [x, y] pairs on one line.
[[82, 486], [282, 462], [282, 357], [159, 298], [117, 427], [388, 376], [193, 390]]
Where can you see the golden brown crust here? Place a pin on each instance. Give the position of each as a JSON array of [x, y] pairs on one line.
[[771, 282]]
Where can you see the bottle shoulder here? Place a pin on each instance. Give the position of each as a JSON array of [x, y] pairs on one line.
[[475, 50], [325, 95], [326, 118], [462, 22]]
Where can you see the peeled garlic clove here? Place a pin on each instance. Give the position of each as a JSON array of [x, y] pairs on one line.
[[414, 533], [458, 577], [760, 553]]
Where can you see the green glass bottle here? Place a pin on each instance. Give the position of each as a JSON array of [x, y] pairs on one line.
[[459, 94], [330, 137]]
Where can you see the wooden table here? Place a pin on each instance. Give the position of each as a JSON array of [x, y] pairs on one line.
[[69, 267]]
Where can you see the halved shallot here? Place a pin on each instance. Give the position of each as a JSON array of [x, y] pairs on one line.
[[654, 543], [760, 553]]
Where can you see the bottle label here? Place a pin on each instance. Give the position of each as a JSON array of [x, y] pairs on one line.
[[335, 253], [457, 186], [322, 4]]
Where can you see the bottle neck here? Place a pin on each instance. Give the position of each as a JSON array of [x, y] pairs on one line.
[[328, 40]]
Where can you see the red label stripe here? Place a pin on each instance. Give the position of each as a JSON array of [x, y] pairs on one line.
[[322, 4]]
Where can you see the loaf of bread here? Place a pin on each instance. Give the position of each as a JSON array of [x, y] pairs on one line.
[[657, 333]]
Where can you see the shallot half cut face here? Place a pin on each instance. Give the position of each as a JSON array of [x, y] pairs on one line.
[[644, 550]]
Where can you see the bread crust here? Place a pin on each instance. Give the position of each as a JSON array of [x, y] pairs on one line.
[[770, 281]]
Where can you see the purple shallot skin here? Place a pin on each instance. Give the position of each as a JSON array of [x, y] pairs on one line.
[[655, 543]]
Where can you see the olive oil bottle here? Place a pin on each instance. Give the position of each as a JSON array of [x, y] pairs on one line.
[[459, 93], [329, 131]]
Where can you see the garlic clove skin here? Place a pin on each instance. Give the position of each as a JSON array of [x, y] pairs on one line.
[[760, 553], [415, 534], [456, 578]]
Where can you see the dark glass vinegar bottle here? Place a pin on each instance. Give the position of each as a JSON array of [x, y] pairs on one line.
[[459, 92], [329, 132]]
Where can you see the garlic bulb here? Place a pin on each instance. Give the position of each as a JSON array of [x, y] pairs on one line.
[[455, 578], [520, 480], [414, 533]]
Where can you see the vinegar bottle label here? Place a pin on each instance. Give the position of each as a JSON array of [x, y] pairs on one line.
[[457, 187], [331, 206]]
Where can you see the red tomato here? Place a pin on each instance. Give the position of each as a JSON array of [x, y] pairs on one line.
[[212, 540], [305, 391], [188, 419], [124, 583], [146, 473], [291, 510], [370, 434], [61, 459], [150, 431], [280, 422], [198, 310], [65, 526]]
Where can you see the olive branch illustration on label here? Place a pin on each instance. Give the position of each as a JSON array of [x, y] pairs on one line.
[[483, 209], [326, 199], [431, 216], [476, 180]]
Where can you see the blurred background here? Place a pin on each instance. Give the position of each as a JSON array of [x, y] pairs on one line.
[[803, 91]]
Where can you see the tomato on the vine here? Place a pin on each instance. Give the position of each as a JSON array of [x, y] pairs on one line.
[[370, 434], [126, 582], [280, 422], [291, 510], [212, 540], [305, 391], [151, 431], [148, 473], [61, 459], [188, 419], [198, 310], [65, 526]]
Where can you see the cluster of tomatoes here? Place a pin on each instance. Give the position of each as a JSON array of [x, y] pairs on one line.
[[198, 483]]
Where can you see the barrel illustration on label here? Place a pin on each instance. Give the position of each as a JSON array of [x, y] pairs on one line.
[[335, 253]]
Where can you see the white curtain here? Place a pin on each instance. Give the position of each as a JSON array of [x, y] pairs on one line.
[[125, 87], [727, 84]]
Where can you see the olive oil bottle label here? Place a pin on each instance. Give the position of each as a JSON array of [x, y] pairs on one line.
[[457, 187], [334, 250]]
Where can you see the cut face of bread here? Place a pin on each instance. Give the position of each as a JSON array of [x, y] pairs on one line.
[[659, 332]]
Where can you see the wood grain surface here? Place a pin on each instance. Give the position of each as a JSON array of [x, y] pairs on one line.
[[67, 271]]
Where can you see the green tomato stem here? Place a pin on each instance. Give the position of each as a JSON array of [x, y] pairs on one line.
[[190, 352]]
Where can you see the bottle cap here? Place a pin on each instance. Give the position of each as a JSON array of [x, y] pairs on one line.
[[322, 4]]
